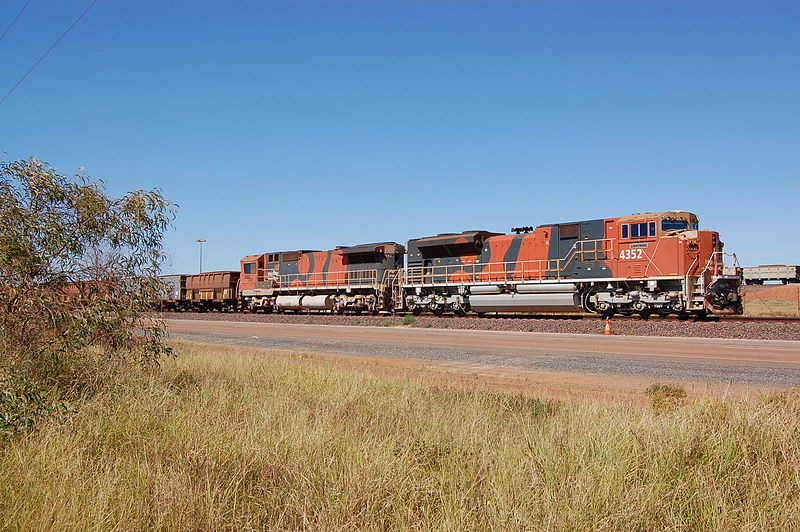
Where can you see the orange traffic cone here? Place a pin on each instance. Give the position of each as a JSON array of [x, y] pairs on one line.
[[607, 330]]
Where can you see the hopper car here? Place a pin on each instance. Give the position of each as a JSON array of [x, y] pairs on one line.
[[203, 292]]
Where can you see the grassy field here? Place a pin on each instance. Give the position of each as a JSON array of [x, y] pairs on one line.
[[235, 440]]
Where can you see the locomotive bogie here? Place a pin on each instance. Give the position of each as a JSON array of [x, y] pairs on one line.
[[642, 302], [436, 303]]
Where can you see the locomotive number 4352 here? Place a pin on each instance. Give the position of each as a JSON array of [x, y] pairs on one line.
[[630, 254]]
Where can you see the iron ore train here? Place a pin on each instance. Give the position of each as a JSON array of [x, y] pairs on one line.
[[652, 263]]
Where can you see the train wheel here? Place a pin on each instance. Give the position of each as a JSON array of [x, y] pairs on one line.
[[416, 311], [438, 311]]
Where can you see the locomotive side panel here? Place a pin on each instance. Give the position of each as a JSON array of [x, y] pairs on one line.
[[445, 258], [579, 250]]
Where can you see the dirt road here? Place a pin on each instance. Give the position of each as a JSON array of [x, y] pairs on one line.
[[569, 357]]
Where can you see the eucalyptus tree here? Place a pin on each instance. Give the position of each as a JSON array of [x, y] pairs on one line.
[[78, 271]]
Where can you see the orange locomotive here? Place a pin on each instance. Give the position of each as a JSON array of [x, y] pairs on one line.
[[640, 264], [346, 279], [645, 263]]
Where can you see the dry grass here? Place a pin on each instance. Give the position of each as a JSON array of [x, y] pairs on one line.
[[771, 307], [235, 440]]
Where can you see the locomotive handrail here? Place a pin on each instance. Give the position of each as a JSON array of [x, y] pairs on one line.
[[540, 269], [574, 251], [351, 278], [691, 267], [718, 260]]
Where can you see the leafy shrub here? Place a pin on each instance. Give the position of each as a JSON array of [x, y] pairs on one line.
[[77, 272], [409, 319], [24, 404]]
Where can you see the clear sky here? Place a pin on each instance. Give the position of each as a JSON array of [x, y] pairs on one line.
[[295, 124]]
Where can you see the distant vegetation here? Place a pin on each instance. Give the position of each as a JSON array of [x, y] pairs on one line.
[[77, 271], [265, 441], [409, 319]]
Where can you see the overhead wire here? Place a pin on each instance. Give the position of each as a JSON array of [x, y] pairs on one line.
[[31, 69], [15, 20]]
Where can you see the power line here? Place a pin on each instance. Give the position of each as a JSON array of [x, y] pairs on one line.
[[47, 52], [15, 19]]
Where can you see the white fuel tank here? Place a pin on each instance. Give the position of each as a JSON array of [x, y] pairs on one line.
[[553, 302], [288, 302], [317, 302]]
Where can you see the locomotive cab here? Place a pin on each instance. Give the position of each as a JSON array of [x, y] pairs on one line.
[[664, 264]]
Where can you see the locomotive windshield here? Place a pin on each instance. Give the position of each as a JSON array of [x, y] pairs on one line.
[[674, 225]]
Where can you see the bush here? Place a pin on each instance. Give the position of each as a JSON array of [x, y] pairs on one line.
[[665, 396], [409, 319], [23, 404], [77, 274]]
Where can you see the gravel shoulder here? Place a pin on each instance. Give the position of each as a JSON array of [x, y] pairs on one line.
[[651, 327], [645, 359]]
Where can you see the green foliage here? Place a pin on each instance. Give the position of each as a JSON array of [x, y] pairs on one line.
[[77, 271], [664, 397], [409, 319], [23, 404], [385, 322]]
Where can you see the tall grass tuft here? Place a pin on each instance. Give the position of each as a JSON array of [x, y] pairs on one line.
[[233, 440]]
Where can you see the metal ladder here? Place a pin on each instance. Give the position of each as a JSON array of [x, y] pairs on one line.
[[697, 293], [393, 279]]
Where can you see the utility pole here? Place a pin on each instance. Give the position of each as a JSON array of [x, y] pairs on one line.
[[200, 241]]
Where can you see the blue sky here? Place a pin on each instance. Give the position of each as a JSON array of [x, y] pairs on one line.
[[285, 125]]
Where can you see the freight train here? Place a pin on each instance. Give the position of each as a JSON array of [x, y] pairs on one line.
[[653, 263], [781, 273]]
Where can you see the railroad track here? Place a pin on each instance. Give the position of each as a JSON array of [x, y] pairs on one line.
[[574, 317], [654, 317], [731, 327]]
